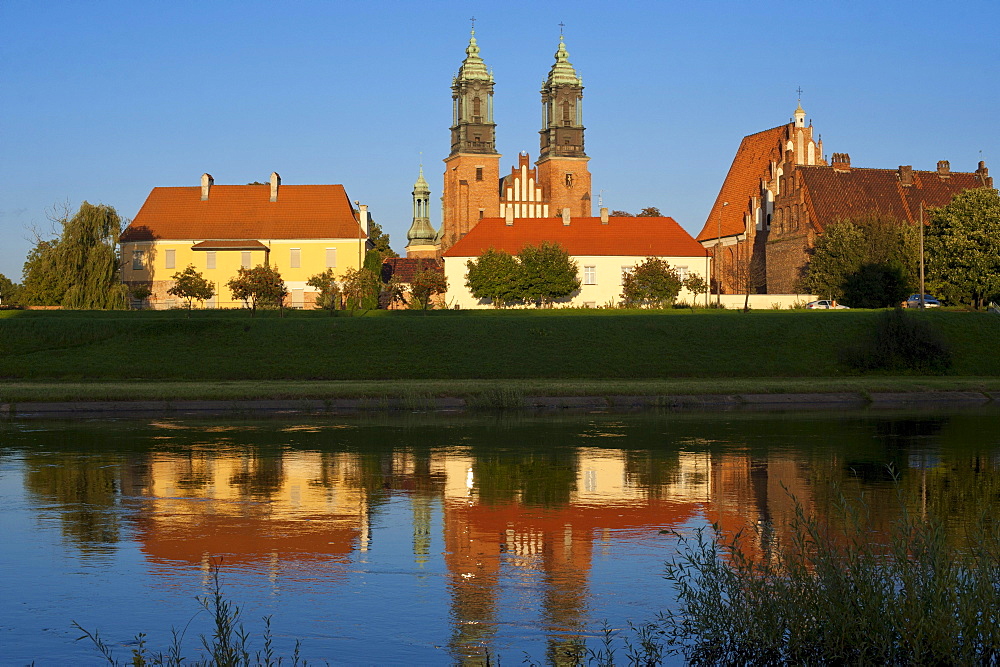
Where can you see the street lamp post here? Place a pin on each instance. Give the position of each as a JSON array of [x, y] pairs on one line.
[[718, 250]]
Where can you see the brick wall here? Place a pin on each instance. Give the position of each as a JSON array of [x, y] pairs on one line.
[[471, 192]]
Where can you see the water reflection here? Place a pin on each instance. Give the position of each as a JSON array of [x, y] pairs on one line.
[[516, 513]]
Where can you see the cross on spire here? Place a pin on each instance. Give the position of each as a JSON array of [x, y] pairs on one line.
[[561, 26], [473, 19], [799, 91]]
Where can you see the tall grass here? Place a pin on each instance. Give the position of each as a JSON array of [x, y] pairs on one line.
[[838, 597], [229, 644]]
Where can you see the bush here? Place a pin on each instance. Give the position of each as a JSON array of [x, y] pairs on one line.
[[899, 342], [834, 597]]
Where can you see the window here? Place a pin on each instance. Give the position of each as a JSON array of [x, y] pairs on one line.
[[479, 173], [245, 259], [295, 259], [626, 270], [482, 213], [210, 259], [170, 257], [569, 179], [682, 272], [331, 258], [298, 298], [590, 275], [137, 260]]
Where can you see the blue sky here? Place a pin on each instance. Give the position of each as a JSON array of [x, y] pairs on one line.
[[102, 101]]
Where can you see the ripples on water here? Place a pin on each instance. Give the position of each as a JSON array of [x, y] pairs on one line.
[[427, 539]]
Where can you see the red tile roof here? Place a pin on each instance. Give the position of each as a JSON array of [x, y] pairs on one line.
[[859, 192], [750, 165], [627, 237], [404, 268], [245, 212]]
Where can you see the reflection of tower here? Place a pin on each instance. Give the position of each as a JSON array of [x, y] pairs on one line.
[[421, 504], [420, 237], [472, 169], [562, 162]]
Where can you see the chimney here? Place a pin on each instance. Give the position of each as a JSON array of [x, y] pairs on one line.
[[275, 182], [944, 168], [565, 216], [604, 216], [905, 175], [841, 162], [508, 215], [984, 175], [363, 219], [206, 185]]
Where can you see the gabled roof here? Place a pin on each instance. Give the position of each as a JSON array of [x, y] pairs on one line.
[[859, 192], [750, 165], [240, 212], [626, 237]]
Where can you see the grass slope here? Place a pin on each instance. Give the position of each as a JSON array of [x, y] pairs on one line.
[[513, 345]]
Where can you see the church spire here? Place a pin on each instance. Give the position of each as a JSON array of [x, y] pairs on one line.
[[472, 127], [421, 232], [562, 109]]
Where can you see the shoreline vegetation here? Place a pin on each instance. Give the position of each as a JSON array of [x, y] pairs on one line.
[[505, 359]]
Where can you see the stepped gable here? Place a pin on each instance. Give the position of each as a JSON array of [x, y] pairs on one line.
[[754, 156], [245, 212], [620, 236], [835, 194]]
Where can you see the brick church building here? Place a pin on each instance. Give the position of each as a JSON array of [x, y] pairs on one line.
[[473, 188], [780, 194]]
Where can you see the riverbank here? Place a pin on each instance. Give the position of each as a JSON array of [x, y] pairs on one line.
[[78, 400]]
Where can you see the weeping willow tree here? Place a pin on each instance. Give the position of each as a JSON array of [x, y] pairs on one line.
[[79, 269]]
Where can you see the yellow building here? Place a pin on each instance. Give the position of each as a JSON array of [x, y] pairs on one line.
[[301, 230]]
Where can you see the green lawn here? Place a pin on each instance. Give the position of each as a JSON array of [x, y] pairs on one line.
[[555, 345]]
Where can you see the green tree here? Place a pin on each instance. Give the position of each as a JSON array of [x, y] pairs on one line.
[[373, 265], [425, 284], [547, 273], [649, 212], [79, 268], [357, 285], [8, 291], [963, 248], [652, 284], [190, 285], [845, 246], [259, 286], [380, 239], [495, 275], [876, 286], [695, 284], [329, 290], [140, 292]]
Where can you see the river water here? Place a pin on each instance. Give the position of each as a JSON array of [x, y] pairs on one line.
[[428, 538]]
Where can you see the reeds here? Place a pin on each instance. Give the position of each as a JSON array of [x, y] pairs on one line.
[[828, 596]]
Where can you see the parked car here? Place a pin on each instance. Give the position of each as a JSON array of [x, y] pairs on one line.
[[828, 304], [913, 301]]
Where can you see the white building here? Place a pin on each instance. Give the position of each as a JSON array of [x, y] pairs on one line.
[[603, 247]]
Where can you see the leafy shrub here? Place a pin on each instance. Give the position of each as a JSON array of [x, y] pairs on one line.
[[834, 597], [899, 342]]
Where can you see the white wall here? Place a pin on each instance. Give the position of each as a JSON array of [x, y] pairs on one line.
[[606, 289]]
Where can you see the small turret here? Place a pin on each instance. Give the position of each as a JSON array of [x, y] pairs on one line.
[[421, 237]]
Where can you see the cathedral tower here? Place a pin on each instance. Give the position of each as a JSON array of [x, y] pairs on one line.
[[420, 237], [562, 162], [472, 169]]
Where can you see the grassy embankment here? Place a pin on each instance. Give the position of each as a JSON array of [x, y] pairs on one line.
[[72, 355]]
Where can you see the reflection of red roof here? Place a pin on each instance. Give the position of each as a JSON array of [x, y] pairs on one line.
[[245, 212], [750, 165], [856, 193], [247, 539], [627, 237]]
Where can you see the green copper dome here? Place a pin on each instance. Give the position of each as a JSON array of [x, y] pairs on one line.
[[562, 72], [473, 68], [421, 185], [421, 232]]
